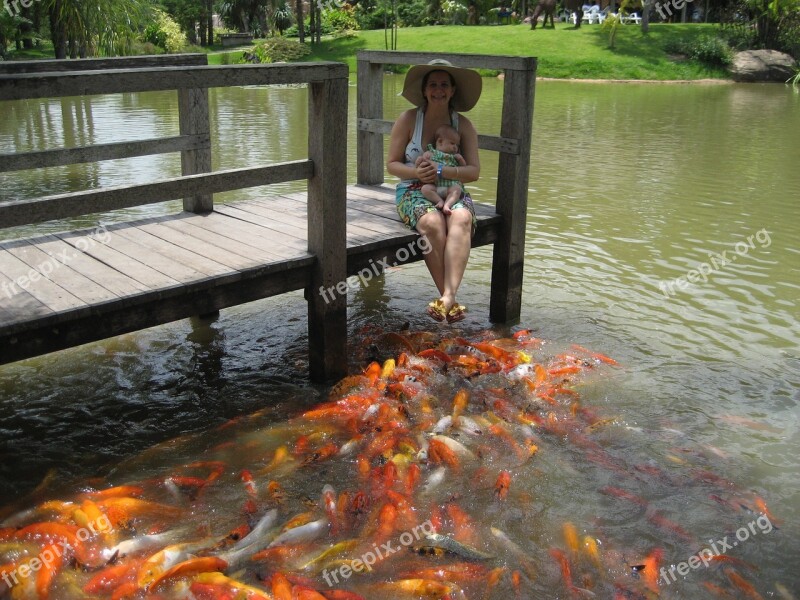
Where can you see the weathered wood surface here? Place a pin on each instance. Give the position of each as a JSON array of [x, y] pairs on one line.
[[61, 290], [94, 64], [470, 61], [115, 81], [84, 154], [73, 204]]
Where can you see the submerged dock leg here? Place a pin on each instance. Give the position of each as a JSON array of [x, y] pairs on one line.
[[327, 228], [508, 258]]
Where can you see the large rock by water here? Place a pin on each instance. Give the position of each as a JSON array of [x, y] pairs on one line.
[[762, 65]]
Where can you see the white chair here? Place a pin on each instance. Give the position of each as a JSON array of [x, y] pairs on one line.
[[631, 18]]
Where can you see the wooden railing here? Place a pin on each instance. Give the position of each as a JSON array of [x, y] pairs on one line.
[[325, 168], [513, 144]]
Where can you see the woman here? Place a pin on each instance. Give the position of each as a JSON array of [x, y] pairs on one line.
[[438, 90]]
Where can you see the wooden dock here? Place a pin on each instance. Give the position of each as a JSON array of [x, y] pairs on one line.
[[65, 289]]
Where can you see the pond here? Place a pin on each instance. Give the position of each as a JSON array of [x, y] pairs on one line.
[[662, 231]]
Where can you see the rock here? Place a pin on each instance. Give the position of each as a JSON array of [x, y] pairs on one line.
[[762, 65]]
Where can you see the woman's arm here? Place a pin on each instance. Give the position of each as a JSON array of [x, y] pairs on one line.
[[425, 171]]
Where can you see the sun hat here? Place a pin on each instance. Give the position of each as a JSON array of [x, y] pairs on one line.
[[468, 84]]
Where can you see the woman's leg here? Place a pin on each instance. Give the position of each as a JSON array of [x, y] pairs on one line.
[[432, 225], [456, 252]]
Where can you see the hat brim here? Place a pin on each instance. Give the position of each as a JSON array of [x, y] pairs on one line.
[[468, 85]]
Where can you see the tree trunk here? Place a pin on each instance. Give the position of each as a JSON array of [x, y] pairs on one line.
[[312, 22], [300, 21], [645, 16], [209, 22], [58, 35]]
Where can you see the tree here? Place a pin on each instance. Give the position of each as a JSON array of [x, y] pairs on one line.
[[301, 22]]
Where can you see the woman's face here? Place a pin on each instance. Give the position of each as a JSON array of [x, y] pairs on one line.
[[438, 88]]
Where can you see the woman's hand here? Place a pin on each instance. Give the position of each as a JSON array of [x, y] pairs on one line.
[[426, 171]]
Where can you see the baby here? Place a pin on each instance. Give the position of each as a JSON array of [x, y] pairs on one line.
[[446, 192]]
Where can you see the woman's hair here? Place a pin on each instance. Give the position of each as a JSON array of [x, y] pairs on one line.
[[425, 83]]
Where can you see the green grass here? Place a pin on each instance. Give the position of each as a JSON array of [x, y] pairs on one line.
[[564, 53]]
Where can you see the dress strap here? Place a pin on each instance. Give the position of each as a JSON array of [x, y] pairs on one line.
[[416, 138], [454, 120]]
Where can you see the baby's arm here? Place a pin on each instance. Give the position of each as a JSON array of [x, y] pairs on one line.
[[460, 160]]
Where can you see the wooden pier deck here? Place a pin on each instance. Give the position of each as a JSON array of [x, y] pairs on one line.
[[65, 289], [81, 286]]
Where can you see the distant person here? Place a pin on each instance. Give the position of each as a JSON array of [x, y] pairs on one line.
[[445, 192], [438, 90]]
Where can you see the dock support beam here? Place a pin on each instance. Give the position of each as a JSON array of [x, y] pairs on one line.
[[327, 228], [194, 120], [370, 163], [508, 258]]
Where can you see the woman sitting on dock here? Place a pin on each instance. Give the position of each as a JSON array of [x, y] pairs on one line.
[[438, 90]]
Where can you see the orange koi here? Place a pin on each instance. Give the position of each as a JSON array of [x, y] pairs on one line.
[[324, 453], [564, 371], [112, 577], [412, 478], [343, 595], [438, 452], [386, 520], [595, 355], [437, 354], [191, 566], [373, 372], [516, 583], [460, 403], [239, 589], [249, 483], [571, 538], [116, 492], [744, 585], [650, 570], [566, 569], [426, 588], [281, 588], [502, 484], [717, 590]]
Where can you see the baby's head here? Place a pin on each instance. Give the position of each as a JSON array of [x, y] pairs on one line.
[[447, 139]]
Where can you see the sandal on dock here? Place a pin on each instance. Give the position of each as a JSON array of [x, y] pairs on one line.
[[457, 312], [436, 310]]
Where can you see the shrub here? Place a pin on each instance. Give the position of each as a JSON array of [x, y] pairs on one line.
[[282, 18], [414, 14], [712, 51], [339, 20], [165, 33], [279, 49]]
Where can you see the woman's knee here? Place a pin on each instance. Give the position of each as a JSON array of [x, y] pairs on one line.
[[432, 225], [460, 219]]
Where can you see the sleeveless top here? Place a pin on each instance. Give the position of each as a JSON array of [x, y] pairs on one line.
[[414, 147]]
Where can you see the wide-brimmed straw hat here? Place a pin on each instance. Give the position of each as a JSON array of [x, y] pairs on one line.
[[468, 84]]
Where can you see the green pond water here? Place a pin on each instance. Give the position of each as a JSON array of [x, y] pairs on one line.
[[635, 190]]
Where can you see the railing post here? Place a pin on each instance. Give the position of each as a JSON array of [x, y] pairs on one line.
[[327, 228], [508, 258], [369, 105], [193, 119]]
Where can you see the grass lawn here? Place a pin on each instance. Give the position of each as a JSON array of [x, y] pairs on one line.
[[565, 52]]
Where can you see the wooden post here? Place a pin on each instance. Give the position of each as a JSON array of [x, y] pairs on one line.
[[194, 120], [508, 258], [369, 151], [327, 226]]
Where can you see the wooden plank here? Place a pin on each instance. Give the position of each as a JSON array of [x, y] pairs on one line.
[[116, 81], [327, 227], [187, 258], [277, 233], [215, 237], [71, 156], [494, 143], [58, 269], [294, 213], [200, 247], [166, 265], [149, 277], [18, 304], [470, 61], [277, 215], [370, 108], [193, 119], [74, 204], [116, 282], [86, 64], [53, 296], [508, 258], [277, 243]]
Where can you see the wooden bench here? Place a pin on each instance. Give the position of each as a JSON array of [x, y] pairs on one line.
[[235, 39]]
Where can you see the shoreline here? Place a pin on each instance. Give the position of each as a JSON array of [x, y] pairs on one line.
[[663, 81]]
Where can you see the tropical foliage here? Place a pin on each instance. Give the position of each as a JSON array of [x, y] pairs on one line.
[[280, 49], [165, 33]]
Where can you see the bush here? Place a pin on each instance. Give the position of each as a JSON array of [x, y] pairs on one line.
[[279, 49], [414, 14], [339, 20], [145, 49], [712, 51], [165, 33]]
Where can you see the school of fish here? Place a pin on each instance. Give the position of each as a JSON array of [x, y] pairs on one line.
[[397, 458]]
